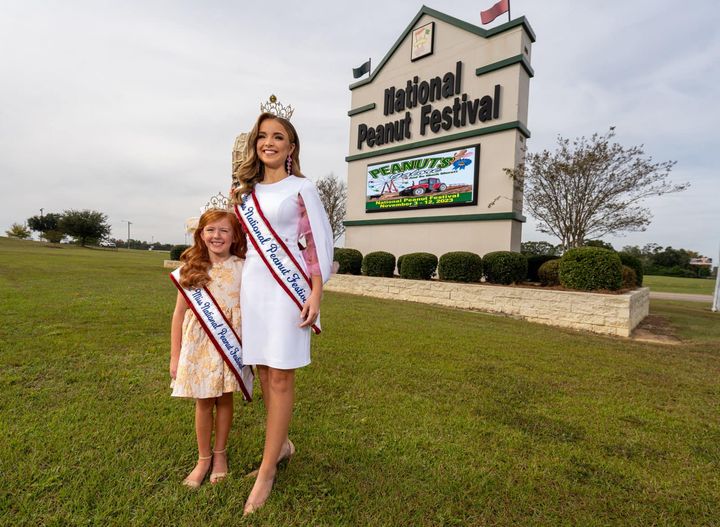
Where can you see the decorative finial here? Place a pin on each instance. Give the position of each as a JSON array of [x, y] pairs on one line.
[[276, 108]]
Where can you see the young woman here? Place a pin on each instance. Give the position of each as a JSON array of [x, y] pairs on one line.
[[276, 324]]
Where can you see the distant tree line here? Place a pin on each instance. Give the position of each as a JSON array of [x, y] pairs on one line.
[[668, 261], [84, 227], [656, 260], [138, 244]]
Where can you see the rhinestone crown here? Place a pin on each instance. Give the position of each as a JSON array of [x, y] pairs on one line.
[[277, 108]]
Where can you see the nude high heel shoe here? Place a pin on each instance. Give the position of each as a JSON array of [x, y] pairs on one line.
[[286, 455]]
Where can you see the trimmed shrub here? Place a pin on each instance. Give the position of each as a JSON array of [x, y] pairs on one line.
[[704, 272], [399, 262], [534, 263], [505, 267], [418, 266], [591, 268], [675, 270], [378, 263], [635, 263], [548, 274], [460, 266], [177, 250], [349, 260], [629, 278]]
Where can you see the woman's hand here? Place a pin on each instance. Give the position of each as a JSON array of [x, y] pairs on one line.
[[311, 309]]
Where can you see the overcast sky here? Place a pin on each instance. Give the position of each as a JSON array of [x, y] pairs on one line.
[[132, 107]]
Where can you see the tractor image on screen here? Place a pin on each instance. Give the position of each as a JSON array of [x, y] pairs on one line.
[[423, 186]]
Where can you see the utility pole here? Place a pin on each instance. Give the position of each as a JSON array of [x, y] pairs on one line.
[[128, 236]]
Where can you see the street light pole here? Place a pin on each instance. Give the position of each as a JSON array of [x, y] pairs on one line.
[[128, 236]]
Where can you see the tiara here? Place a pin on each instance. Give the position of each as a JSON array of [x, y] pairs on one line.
[[276, 108], [217, 202]]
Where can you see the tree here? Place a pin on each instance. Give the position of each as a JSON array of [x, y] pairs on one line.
[[598, 243], [17, 230], [84, 225], [333, 194], [47, 226], [670, 257], [589, 188], [539, 248], [633, 250]]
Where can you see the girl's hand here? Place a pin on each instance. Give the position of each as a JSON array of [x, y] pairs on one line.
[[310, 310], [173, 367]]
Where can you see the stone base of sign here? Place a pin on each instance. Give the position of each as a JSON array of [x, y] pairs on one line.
[[599, 313], [171, 264]]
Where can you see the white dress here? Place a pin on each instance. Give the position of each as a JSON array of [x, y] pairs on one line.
[[270, 319]]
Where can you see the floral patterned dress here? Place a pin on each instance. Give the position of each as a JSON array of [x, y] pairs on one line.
[[201, 372]]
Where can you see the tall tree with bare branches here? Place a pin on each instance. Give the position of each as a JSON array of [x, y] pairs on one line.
[[333, 194], [589, 188]]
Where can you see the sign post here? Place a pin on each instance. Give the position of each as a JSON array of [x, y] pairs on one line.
[[716, 297]]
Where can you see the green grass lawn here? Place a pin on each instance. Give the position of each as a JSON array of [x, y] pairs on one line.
[[673, 284], [409, 415]]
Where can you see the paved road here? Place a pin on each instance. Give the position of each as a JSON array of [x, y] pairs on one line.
[[681, 296]]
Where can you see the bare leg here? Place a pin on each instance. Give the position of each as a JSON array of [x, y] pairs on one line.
[[281, 388], [263, 374], [223, 422], [203, 432], [267, 395]]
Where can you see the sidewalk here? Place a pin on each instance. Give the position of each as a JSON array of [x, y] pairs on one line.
[[681, 296]]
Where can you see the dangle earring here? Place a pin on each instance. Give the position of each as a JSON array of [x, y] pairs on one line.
[[289, 164]]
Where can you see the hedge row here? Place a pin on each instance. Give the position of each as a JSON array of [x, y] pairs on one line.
[[583, 268], [177, 250]]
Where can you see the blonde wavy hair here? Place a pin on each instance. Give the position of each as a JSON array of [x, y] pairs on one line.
[[251, 171], [195, 271]]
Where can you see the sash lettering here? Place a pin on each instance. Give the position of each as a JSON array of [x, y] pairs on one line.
[[219, 331], [274, 253]]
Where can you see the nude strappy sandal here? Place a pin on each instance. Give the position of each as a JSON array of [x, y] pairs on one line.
[[217, 477], [194, 483]]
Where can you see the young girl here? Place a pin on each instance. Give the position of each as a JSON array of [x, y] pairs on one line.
[[196, 367]]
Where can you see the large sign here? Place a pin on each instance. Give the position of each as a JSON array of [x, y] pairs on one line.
[[461, 110], [442, 179]]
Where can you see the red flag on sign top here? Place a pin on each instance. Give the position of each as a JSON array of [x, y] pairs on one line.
[[487, 16]]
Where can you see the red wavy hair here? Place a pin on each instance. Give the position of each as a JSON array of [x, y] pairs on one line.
[[196, 259]]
